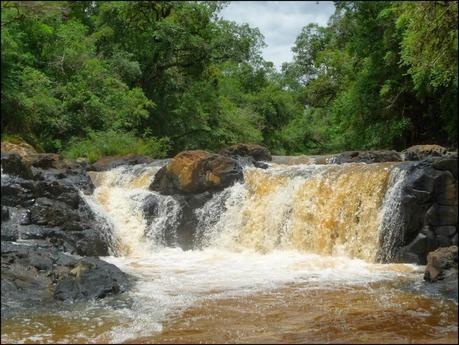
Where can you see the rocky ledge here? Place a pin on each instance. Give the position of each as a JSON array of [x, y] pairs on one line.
[[51, 239]]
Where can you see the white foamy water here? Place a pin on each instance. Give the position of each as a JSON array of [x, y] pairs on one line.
[[171, 280]]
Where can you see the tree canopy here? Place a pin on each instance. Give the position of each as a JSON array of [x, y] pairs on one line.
[[89, 78]]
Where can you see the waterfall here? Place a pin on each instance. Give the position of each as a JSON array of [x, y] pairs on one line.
[[348, 209], [140, 218], [391, 219]]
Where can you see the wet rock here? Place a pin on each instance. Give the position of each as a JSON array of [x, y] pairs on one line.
[[446, 164], [441, 263], [196, 172], [365, 157], [44, 212], [54, 203], [50, 212], [34, 274], [441, 215], [446, 231], [260, 165], [25, 218], [414, 252], [5, 213], [13, 165], [16, 192], [443, 241], [257, 152], [188, 220], [110, 162], [90, 278], [446, 189], [419, 152]]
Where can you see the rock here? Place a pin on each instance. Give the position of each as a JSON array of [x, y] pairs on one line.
[[13, 165], [90, 278], [188, 221], [445, 189], [439, 262], [257, 152], [419, 152], [443, 241], [34, 275], [365, 157], [428, 202], [441, 215], [196, 172], [110, 162], [54, 203], [44, 211], [17, 192], [51, 213], [414, 252], [24, 150], [447, 164], [5, 213], [446, 231]]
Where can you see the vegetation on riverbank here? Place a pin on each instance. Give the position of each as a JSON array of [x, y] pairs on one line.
[[96, 78]]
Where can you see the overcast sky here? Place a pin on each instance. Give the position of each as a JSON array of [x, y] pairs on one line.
[[279, 21]]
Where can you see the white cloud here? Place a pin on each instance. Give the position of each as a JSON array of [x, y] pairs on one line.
[[280, 22]]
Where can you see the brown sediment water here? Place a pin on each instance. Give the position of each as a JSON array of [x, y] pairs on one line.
[[296, 313], [300, 314], [288, 256]]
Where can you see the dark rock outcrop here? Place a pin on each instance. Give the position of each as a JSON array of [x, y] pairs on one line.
[[35, 273], [45, 222], [192, 172], [429, 208], [52, 210], [256, 152], [12, 164], [365, 157]]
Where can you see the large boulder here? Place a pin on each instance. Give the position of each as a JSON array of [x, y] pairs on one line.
[[32, 159], [110, 162], [35, 274], [419, 152], [24, 150], [365, 157], [256, 152], [441, 263], [196, 172]]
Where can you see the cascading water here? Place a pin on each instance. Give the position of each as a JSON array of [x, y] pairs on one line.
[[323, 209], [124, 199], [289, 255]]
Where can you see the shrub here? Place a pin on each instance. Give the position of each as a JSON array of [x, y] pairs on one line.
[[109, 143]]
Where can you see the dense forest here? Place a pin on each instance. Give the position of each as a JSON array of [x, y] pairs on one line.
[[90, 78]]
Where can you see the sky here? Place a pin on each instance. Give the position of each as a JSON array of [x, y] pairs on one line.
[[280, 22]]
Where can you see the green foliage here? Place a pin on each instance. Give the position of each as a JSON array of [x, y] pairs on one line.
[[99, 144], [380, 75], [164, 76]]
